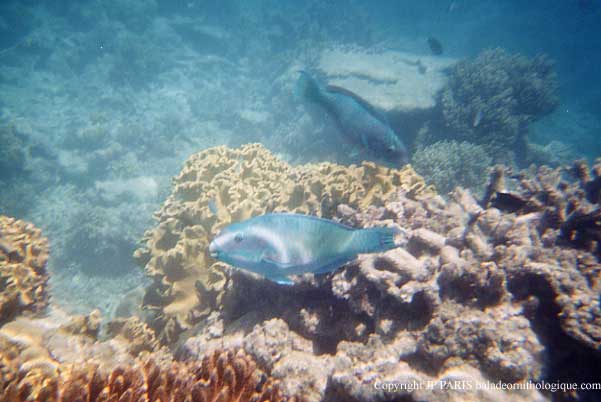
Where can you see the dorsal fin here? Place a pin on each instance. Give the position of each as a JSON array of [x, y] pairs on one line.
[[311, 217], [368, 106]]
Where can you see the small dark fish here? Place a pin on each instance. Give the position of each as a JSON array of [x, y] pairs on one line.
[[281, 244], [357, 119], [435, 46], [508, 202]]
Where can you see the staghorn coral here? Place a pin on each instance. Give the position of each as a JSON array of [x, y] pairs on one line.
[[241, 183], [448, 164], [221, 376], [23, 277], [490, 100]]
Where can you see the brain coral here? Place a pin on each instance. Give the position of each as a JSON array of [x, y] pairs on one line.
[[222, 376], [241, 183], [23, 277], [490, 100]]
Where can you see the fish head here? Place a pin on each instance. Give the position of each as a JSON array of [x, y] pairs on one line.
[[236, 245], [393, 150]]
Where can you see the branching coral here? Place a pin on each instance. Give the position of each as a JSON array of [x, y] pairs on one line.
[[448, 164], [241, 183], [490, 100], [23, 277], [223, 376]]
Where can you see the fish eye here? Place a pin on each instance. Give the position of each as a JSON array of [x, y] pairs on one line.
[[238, 237]]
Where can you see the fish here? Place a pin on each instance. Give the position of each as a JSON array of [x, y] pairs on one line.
[[435, 46], [477, 118], [358, 121], [278, 245]]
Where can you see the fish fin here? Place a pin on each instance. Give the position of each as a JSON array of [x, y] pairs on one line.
[[313, 217], [308, 88], [375, 240], [283, 280], [365, 104], [332, 266]]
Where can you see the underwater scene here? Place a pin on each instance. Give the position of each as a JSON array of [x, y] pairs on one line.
[[285, 200]]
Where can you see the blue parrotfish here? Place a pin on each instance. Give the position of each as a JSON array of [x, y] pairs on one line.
[[358, 120], [278, 245]]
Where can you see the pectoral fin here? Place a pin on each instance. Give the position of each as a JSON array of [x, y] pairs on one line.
[[283, 280]]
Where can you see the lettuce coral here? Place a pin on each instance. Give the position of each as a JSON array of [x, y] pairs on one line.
[[23, 277], [241, 183]]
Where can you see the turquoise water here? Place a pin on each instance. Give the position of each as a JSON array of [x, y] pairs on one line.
[[102, 101]]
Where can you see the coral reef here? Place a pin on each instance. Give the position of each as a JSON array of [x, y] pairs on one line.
[[448, 164], [23, 277], [221, 376], [490, 100], [222, 185], [61, 358], [477, 293]]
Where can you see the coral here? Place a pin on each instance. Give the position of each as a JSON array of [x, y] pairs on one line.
[[448, 164], [490, 100], [476, 293], [239, 184], [23, 256], [138, 336], [221, 376], [555, 153]]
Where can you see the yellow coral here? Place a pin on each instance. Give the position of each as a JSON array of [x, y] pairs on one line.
[[242, 183], [23, 256]]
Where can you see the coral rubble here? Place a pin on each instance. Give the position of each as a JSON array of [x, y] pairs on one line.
[[222, 185], [23, 256]]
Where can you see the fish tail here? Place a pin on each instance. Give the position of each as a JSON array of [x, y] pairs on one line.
[[308, 88], [375, 240]]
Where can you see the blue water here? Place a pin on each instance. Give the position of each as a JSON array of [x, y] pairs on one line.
[[102, 101]]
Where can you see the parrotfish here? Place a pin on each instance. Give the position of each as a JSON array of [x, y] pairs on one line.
[[358, 120], [278, 245]]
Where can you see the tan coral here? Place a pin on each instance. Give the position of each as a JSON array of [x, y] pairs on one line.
[[222, 376], [23, 256], [241, 183]]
